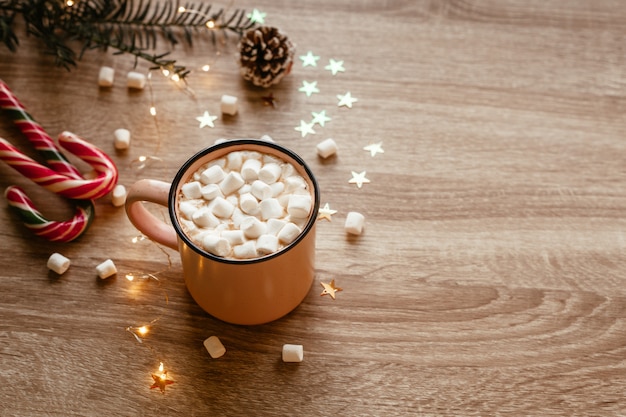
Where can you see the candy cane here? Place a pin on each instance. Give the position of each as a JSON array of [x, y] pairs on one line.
[[69, 187], [62, 177], [52, 230]]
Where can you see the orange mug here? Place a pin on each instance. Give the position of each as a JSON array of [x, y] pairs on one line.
[[238, 291]]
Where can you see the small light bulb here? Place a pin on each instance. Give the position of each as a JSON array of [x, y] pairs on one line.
[[143, 330], [153, 111], [130, 277], [161, 367], [165, 72], [210, 24], [181, 9], [142, 158], [206, 67], [175, 78], [69, 3]]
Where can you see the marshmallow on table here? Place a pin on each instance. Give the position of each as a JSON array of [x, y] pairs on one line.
[[121, 139], [326, 148], [106, 269], [229, 105], [354, 223], [136, 80], [105, 77], [215, 347], [293, 353], [118, 195], [58, 263]]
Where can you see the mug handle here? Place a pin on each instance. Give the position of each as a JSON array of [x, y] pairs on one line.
[[152, 191]]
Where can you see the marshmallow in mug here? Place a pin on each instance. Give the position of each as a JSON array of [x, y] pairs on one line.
[[244, 205]]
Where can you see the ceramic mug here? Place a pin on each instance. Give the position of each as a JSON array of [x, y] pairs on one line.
[[238, 291]]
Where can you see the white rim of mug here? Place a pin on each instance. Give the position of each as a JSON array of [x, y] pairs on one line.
[[232, 143]]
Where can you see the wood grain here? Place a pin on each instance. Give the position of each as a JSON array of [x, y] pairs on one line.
[[490, 276]]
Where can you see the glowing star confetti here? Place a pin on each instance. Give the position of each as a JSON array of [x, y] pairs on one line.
[[305, 128], [257, 16], [160, 379], [346, 100], [358, 179], [309, 60], [269, 100], [320, 118], [206, 120], [326, 213], [309, 88], [335, 66], [374, 148], [330, 289]]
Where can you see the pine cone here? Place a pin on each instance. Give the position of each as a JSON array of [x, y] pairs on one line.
[[265, 56]]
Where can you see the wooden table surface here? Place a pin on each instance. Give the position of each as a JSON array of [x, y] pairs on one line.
[[490, 276]]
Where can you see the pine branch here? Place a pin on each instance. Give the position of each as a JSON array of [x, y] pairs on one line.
[[127, 26]]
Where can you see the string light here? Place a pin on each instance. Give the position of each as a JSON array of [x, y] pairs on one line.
[[69, 3]]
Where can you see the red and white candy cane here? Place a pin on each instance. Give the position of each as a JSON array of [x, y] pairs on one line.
[[60, 176]]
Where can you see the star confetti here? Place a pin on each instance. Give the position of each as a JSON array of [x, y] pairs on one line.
[[269, 100], [346, 100], [305, 128], [206, 120], [161, 381], [326, 213], [309, 60], [358, 179], [374, 148], [330, 289], [257, 16], [335, 66], [309, 88], [320, 118]]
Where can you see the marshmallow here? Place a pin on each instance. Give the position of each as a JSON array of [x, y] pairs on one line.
[[252, 227], [299, 205], [326, 148], [212, 175], [121, 139], [294, 182], [215, 347], [222, 207], [245, 251], [274, 226], [106, 269], [231, 182], [277, 188], [293, 353], [211, 191], [250, 169], [136, 80], [270, 209], [248, 203], [229, 105], [289, 233], [192, 190], [234, 237], [216, 245], [106, 76], [266, 244], [204, 218], [266, 138], [234, 161], [270, 173], [118, 195], [260, 190], [237, 217], [58, 263], [354, 223], [187, 209]]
